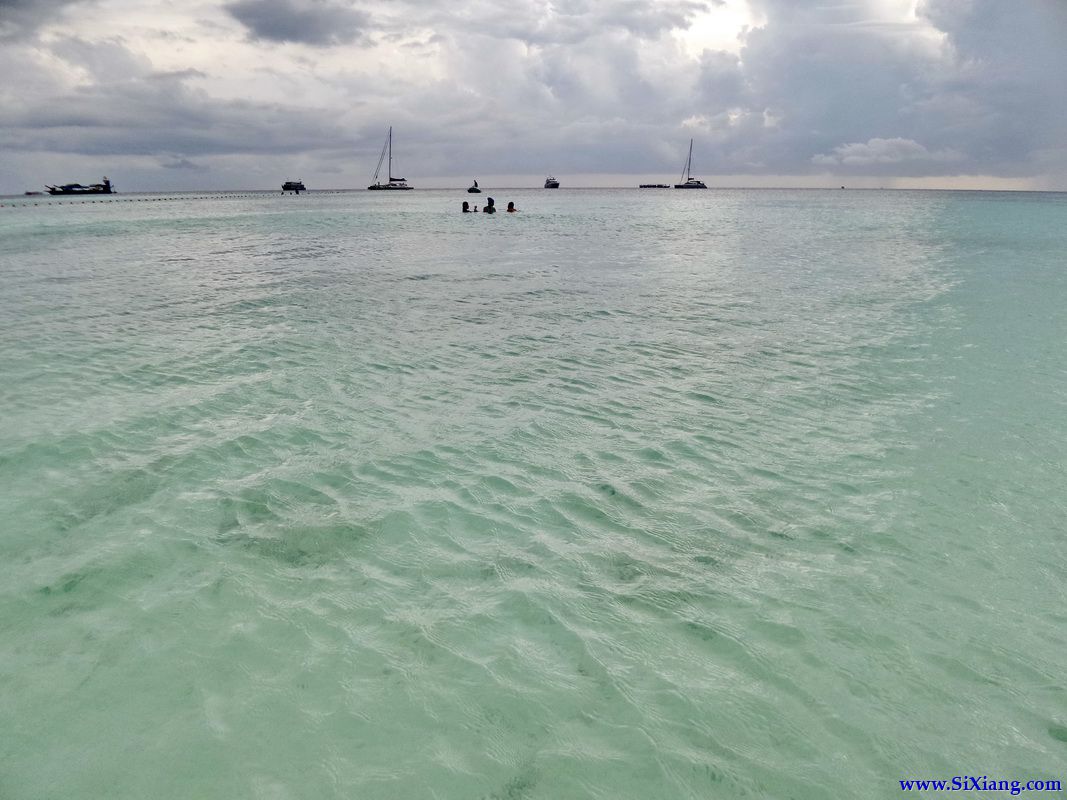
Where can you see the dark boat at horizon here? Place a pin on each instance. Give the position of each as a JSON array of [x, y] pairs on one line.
[[551, 183], [395, 184], [293, 186], [77, 188], [474, 189], [690, 182]]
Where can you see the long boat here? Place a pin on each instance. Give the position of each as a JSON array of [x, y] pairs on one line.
[[77, 188]]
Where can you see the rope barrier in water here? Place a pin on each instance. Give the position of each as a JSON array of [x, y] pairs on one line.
[[26, 204]]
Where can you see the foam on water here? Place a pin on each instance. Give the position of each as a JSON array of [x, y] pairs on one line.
[[629, 495]]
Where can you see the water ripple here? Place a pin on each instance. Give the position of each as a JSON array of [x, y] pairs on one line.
[[350, 498]]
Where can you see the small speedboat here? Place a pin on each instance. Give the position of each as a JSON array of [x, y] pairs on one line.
[[474, 189]]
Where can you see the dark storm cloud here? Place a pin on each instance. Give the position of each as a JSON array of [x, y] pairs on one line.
[[1004, 95], [857, 94], [832, 77], [158, 113], [313, 22], [720, 81], [19, 18]]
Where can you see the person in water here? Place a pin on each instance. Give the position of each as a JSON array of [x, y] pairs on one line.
[[467, 207], [511, 208], [490, 207]]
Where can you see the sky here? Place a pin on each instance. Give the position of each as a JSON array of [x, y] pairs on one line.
[[244, 94]]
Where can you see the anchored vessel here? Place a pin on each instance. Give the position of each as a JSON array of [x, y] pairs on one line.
[[551, 183], [394, 183], [77, 188], [474, 189], [654, 186], [293, 186], [690, 182]]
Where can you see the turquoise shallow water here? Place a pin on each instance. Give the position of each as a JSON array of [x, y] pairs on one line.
[[630, 495]]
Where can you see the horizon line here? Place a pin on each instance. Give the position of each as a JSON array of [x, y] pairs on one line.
[[730, 187]]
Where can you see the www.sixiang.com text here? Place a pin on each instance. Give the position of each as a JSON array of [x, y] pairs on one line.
[[973, 783]]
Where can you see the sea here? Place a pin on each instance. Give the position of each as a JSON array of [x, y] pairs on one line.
[[632, 494]]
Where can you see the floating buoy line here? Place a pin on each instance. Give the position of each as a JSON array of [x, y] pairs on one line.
[[40, 203]]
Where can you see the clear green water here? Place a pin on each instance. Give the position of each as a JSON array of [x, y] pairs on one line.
[[630, 495]]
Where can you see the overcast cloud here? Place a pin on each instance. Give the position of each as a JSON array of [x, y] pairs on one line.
[[311, 22], [245, 94]]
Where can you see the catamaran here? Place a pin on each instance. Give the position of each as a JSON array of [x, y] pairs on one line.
[[690, 182], [394, 183]]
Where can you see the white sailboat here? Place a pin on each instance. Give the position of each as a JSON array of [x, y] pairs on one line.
[[690, 182], [394, 183]]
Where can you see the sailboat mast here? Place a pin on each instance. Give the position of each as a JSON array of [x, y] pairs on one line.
[[390, 154], [687, 181]]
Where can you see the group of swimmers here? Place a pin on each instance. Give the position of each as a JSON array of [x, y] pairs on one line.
[[490, 207]]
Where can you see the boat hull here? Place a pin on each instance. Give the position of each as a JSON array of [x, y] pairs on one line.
[[80, 190], [386, 187], [690, 185], [474, 190]]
